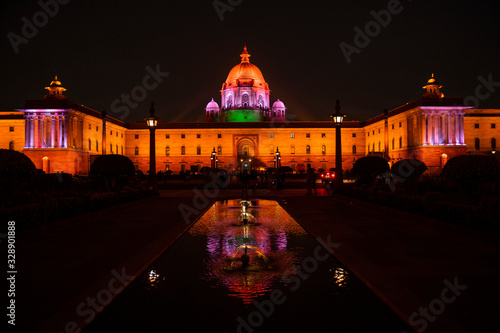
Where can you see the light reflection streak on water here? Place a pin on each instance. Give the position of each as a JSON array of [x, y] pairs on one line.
[[265, 239]]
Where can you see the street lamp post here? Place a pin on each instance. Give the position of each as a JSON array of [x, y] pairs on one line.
[[277, 159], [152, 122], [213, 159], [338, 118]]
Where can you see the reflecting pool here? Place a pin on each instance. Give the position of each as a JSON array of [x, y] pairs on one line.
[[247, 266]]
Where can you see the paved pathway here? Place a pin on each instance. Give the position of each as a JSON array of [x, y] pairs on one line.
[[402, 257]]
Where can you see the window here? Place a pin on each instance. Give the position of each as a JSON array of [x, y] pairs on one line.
[[373, 147], [323, 135], [292, 149], [183, 150], [167, 150], [183, 136], [11, 145], [379, 146], [11, 129], [90, 126], [137, 136], [122, 135], [493, 144], [353, 135], [400, 142], [292, 135], [379, 130], [198, 136], [97, 128], [116, 146], [219, 150], [492, 125], [323, 149], [110, 132], [373, 132], [219, 136], [368, 133], [198, 150], [392, 126], [399, 124], [271, 135], [96, 145], [136, 151], [111, 148], [121, 150], [116, 134], [308, 135], [477, 145], [392, 143], [308, 149], [354, 149], [167, 136], [476, 125], [90, 144]]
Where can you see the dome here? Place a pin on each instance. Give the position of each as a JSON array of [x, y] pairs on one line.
[[245, 72], [212, 105], [278, 105], [55, 82], [432, 81]]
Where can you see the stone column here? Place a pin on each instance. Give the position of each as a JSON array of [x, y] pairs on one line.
[[425, 129], [436, 129], [27, 130], [461, 127], [448, 127], [52, 131]]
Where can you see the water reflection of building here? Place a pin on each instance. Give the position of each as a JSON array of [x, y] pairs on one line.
[[60, 135], [227, 237]]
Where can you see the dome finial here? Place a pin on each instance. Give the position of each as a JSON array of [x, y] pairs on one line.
[[245, 55]]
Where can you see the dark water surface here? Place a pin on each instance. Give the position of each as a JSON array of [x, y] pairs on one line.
[[291, 283]]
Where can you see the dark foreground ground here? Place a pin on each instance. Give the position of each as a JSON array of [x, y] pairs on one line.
[[436, 276]]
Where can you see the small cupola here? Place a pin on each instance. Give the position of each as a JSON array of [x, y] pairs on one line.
[[55, 90]]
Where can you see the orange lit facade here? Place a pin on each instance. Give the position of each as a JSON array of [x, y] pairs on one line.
[[246, 130]]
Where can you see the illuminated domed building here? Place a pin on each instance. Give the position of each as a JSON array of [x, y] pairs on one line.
[[245, 96], [60, 135]]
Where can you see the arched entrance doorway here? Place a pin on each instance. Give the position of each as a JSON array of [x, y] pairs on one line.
[[245, 150]]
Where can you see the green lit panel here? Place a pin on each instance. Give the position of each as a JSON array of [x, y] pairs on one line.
[[245, 115]]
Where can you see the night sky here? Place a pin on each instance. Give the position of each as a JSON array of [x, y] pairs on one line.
[[100, 50]]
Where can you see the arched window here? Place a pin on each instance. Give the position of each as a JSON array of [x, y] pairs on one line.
[[96, 145], [116, 146], [392, 143], [121, 147], [183, 150], [400, 142], [167, 150], [493, 144], [245, 149], [292, 149], [111, 148], [198, 150], [308, 149], [373, 147], [477, 145], [354, 149], [323, 149], [379, 146], [90, 144], [136, 151], [11, 145], [245, 99], [219, 150]]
